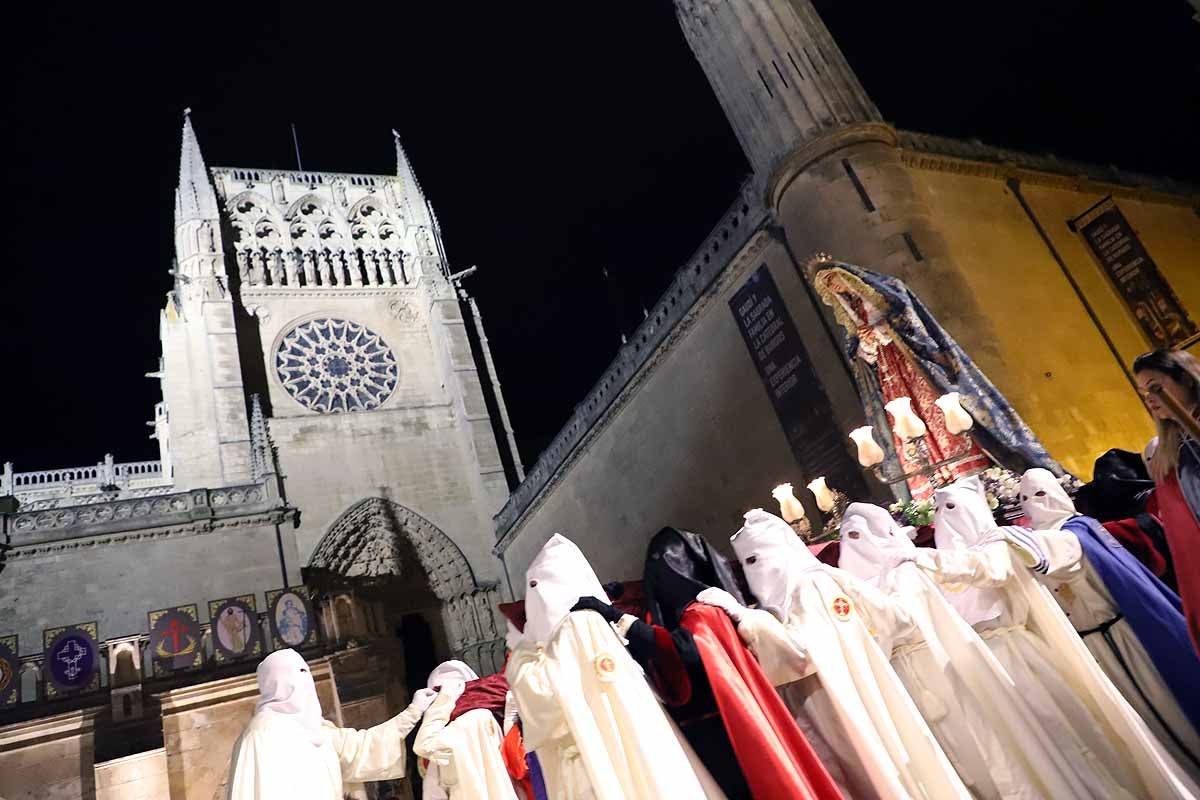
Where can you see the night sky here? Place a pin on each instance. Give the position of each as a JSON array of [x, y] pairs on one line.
[[554, 140]]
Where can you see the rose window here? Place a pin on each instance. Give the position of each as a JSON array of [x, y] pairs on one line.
[[334, 365]]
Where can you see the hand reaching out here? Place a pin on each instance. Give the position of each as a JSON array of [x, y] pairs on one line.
[[714, 596], [423, 699], [594, 604]]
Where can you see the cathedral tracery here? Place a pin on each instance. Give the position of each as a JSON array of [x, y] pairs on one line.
[[313, 244], [334, 365]]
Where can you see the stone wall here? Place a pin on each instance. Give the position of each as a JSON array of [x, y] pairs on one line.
[[201, 724], [142, 776], [429, 446], [50, 758], [1049, 357], [114, 563], [693, 440]]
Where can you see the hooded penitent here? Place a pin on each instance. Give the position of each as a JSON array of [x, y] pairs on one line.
[[679, 565], [554, 582], [857, 697], [1152, 611], [586, 708], [962, 522], [773, 559], [871, 541], [286, 689], [1109, 745], [775, 758]]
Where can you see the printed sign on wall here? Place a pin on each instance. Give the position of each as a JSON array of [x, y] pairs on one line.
[[291, 618], [10, 671], [787, 375], [176, 639], [236, 632], [1120, 253], [71, 659]]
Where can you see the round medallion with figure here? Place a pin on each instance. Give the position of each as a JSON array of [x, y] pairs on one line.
[[335, 365]]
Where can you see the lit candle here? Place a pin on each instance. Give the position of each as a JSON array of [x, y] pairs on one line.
[[957, 418], [869, 452], [790, 508], [906, 424], [825, 500]]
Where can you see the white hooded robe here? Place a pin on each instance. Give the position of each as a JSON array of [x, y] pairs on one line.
[[1084, 598], [862, 704], [984, 723], [465, 759], [1108, 744], [288, 752], [586, 709]]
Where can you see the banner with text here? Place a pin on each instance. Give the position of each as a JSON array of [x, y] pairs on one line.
[[1116, 247], [797, 395]]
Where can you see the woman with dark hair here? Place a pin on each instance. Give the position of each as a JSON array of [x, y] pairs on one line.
[[1170, 384]]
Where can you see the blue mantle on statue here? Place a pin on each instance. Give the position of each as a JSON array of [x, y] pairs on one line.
[[999, 430]]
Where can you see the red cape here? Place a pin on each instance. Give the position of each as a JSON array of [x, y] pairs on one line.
[[1183, 532], [487, 692], [776, 759]]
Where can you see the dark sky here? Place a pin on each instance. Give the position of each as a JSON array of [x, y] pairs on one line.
[[554, 139]]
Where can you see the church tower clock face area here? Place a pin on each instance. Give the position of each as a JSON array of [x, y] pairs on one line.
[[333, 365]]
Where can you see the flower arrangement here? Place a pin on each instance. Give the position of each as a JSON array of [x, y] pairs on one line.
[[917, 513]]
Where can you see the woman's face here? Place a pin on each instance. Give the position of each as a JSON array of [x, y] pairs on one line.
[[1150, 380]]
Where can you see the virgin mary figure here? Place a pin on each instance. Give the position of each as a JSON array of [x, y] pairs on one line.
[[897, 349]]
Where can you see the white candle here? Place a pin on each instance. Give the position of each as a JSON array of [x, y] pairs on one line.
[[825, 500], [906, 424], [790, 508], [869, 452], [957, 418]]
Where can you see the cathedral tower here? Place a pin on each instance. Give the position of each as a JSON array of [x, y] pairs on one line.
[[204, 399], [358, 346], [778, 74], [827, 165]]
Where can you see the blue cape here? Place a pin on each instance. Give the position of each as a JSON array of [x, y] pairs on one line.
[[1154, 611]]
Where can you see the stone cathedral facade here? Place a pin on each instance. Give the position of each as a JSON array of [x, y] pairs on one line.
[[325, 423]]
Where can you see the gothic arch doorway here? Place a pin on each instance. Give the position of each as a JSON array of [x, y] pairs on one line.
[[390, 561]]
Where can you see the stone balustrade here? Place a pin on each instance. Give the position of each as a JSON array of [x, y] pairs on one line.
[[324, 268], [98, 478]]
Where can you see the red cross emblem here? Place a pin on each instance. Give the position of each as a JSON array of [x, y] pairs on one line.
[[841, 607]]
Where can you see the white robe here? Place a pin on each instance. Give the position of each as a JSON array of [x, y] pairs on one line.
[[862, 703], [1085, 600], [589, 715], [984, 722], [467, 752], [275, 759], [1092, 725]]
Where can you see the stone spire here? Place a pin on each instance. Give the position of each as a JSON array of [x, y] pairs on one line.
[[777, 72], [194, 197], [416, 210]]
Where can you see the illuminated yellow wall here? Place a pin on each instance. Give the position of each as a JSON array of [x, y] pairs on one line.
[[1051, 360]]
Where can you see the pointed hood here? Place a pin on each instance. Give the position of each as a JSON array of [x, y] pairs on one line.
[[679, 565], [194, 196], [962, 522], [554, 582], [451, 671], [1044, 501], [773, 558], [870, 540], [286, 688]]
